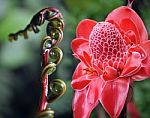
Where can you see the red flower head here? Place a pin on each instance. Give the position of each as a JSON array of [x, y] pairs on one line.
[[113, 53]]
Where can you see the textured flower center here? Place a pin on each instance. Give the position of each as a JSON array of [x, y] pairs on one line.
[[107, 46]]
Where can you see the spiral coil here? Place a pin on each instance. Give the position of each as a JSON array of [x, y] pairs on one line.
[[51, 55], [50, 14]]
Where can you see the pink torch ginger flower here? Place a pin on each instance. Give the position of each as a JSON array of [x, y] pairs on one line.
[[113, 54]]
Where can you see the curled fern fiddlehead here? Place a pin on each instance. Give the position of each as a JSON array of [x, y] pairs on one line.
[[57, 89], [38, 19], [51, 55]]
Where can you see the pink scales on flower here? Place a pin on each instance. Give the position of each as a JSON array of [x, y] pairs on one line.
[[108, 49], [113, 54]]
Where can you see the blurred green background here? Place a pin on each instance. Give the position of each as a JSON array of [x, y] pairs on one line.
[[20, 61]]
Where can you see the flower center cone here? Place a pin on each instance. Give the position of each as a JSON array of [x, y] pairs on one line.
[[108, 49]]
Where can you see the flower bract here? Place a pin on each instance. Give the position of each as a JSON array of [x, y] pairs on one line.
[[113, 54]]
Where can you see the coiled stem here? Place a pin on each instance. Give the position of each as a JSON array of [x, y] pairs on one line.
[[51, 55], [49, 14]]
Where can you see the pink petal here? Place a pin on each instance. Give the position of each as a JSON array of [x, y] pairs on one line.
[[80, 79], [138, 49], [146, 47], [95, 89], [79, 71], [131, 31], [131, 36], [133, 65], [129, 20], [98, 69], [84, 28], [114, 95], [85, 58], [79, 45], [81, 51], [86, 100], [80, 83], [144, 72], [110, 73], [81, 106]]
